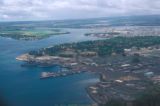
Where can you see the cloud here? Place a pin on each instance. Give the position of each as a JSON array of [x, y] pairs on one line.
[[64, 9]]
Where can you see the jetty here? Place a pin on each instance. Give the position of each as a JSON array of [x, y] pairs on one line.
[[45, 75]]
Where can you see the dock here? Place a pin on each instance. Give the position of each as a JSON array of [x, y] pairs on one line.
[[45, 75]]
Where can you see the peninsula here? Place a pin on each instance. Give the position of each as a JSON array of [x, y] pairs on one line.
[[128, 66]]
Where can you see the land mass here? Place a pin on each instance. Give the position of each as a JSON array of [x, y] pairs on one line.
[[126, 31], [27, 33], [128, 67]]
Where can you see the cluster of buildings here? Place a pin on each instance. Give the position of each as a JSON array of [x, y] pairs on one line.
[[146, 51], [125, 81], [131, 31]]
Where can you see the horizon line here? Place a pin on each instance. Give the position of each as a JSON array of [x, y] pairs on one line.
[[43, 20]]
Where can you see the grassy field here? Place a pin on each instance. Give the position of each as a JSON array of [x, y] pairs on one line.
[[31, 34]]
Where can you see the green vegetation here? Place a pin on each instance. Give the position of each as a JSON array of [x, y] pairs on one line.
[[103, 47], [135, 59], [115, 103], [30, 34], [150, 97]]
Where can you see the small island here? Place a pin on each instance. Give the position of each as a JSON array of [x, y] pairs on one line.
[[27, 33]]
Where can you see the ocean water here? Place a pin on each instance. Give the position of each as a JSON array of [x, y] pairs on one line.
[[21, 86]]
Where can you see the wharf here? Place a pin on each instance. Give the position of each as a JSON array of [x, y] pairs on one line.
[[45, 75]]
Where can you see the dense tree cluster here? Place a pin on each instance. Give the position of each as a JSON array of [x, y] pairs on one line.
[[103, 47]]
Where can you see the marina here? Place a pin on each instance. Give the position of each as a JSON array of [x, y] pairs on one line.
[[45, 92]]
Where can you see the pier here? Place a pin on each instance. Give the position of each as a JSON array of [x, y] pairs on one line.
[[45, 75]]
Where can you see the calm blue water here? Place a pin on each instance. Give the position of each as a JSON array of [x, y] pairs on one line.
[[21, 86]]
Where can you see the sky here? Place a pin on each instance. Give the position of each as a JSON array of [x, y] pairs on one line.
[[19, 10]]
